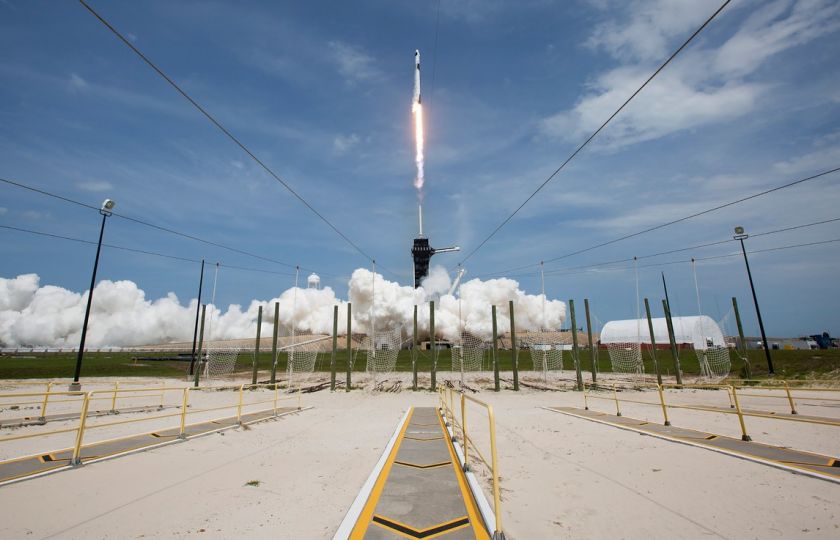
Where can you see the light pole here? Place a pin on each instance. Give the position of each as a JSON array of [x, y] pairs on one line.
[[741, 236], [105, 210]]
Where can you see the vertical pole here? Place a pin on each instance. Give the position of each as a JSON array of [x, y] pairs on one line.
[[44, 404], [757, 312], [743, 343], [589, 336], [674, 351], [433, 343], [514, 354], [414, 354], [349, 344], [497, 386], [197, 310], [80, 433], [575, 348], [274, 343], [615, 396], [114, 397], [744, 436], [197, 372], [257, 347], [653, 344], [81, 354], [239, 406], [662, 403], [334, 348], [182, 434]]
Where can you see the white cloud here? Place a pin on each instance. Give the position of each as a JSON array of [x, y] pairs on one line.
[[95, 186], [344, 143], [353, 62], [704, 85], [77, 82]]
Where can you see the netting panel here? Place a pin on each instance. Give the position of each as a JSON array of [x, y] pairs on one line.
[[626, 357], [220, 361], [546, 352], [468, 353], [712, 355], [382, 350]]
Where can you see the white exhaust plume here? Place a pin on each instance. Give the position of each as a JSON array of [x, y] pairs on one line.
[[419, 137], [32, 315]]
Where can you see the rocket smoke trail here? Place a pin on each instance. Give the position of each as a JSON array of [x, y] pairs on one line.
[[417, 111]]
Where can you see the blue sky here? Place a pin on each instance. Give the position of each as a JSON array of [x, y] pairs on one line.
[[322, 91]]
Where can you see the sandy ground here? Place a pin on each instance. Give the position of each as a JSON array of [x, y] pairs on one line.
[[561, 476]]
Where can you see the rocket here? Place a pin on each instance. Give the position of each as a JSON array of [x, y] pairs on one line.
[[417, 99]]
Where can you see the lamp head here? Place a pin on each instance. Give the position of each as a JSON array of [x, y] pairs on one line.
[[107, 206], [740, 234]]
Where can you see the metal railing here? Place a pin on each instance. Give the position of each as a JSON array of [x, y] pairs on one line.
[[448, 405], [732, 393], [184, 410]]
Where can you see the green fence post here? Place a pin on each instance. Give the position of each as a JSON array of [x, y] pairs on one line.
[[575, 349], [433, 343], [257, 347], [334, 348], [589, 335], [653, 344], [514, 355], [200, 344], [349, 343], [414, 354], [674, 351], [747, 367], [495, 352], [274, 343]]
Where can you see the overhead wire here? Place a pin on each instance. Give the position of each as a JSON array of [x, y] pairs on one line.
[[154, 226], [600, 128], [136, 250], [223, 129]]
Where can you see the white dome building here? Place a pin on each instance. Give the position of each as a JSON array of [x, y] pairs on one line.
[[700, 331]]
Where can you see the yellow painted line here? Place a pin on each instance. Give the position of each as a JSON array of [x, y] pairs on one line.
[[366, 514], [418, 466], [472, 509], [420, 533]]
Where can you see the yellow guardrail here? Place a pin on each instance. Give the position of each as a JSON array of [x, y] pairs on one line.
[[447, 404], [732, 393], [85, 399]]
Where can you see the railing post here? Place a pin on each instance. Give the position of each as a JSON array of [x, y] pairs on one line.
[[592, 351], [257, 348], [162, 395], [662, 402], [615, 396], [497, 386], [77, 448], [514, 349], [239, 407], [44, 404], [334, 348], [433, 343], [790, 399], [497, 499], [276, 395], [184, 404], [464, 431], [114, 397], [744, 436]]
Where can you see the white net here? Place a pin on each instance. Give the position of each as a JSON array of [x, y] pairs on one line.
[[712, 352], [382, 350], [302, 355], [221, 361], [546, 351], [626, 357], [468, 353]]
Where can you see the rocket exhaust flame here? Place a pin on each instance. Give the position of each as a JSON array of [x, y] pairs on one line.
[[419, 137]]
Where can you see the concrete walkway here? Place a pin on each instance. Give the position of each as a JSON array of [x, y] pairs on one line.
[[421, 491], [19, 468], [818, 465]]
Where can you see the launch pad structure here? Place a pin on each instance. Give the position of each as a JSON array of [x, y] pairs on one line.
[[422, 251]]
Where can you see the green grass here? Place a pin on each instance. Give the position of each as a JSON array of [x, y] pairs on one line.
[[788, 364]]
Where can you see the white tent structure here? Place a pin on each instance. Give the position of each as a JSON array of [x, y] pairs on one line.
[[702, 332]]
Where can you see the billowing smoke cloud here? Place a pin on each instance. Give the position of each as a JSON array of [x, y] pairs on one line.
[[32, 315]]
